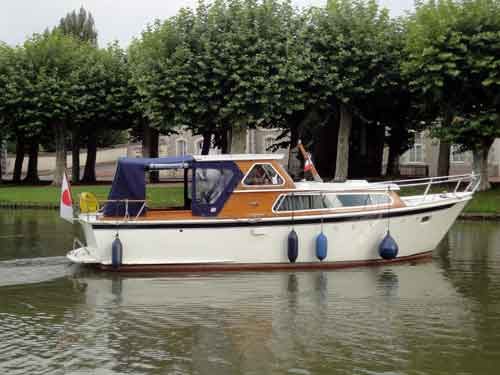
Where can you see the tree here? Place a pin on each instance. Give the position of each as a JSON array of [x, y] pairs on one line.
[[81, 26], [100, 96], [454, 60], [4, 129], [20, 112], [217, 70], [52, 58], [351, 44]]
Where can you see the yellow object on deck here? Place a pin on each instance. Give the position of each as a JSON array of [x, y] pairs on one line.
[[88, 203]]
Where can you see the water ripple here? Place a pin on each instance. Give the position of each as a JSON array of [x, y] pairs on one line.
[[439, 317]]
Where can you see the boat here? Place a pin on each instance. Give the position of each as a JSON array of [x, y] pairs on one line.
[[245, 212]]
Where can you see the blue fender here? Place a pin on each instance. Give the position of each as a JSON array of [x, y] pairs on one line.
[[388, 248], [321, 246], [116, 253], [293, 246]]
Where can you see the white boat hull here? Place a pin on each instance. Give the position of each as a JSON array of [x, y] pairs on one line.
[[352, 239]]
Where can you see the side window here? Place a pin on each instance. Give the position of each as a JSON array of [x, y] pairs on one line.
[[380, 199], [328, 201], [301, 202], [263, 174], [356, 200]]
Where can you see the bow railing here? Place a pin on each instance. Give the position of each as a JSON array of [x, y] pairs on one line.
[[458, 183]]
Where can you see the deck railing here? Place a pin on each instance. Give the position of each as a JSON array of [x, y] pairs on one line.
[[454, 182], [103, 202]]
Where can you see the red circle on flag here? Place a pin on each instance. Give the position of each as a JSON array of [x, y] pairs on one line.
[[66, 198]]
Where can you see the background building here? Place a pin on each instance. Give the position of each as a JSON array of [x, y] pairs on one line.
[[422, 158]]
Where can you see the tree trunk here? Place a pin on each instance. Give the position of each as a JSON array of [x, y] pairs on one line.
[[224, 137], [60, 132], [154, 176], [342, 163], [480, 166], [32, 175], [207, 142], [146, 140], [375, 139], [444, 159], [150, 145], [1, 161], [89, 176], [2, 154], [18, 164], [75, 156], [443, 167], [224, 141], [393, 161]]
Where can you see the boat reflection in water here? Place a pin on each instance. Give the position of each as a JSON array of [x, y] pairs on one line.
[[248, 321]]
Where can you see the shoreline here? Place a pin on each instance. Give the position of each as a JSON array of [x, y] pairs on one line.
[[474, 216]]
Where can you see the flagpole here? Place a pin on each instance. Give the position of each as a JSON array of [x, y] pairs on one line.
[[306, 156]]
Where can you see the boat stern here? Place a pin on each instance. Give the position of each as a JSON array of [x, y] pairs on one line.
[[85, 254], [82, 255]]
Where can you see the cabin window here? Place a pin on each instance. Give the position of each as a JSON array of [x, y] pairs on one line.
[[301, 202], [307, 202], [380, 199], [263, 174], [357, 200]]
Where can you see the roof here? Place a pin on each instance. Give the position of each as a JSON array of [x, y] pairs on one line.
[[237, 157]]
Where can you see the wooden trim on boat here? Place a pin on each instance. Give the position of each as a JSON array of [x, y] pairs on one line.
[[276, 221], [235, 267]]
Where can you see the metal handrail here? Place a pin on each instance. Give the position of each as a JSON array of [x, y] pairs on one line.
[[428, 182], [126, 201]]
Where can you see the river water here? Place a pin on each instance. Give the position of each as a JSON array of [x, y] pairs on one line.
[[437, 317]]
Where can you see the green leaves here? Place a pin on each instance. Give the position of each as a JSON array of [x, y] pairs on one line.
[[454, 63], [54, 78]]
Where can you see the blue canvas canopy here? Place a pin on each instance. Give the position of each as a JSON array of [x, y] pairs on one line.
[[130, 182]]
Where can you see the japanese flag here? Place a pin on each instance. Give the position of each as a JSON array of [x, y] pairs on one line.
[[308, 163], [66, 204]]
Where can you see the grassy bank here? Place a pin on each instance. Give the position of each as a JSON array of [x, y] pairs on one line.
[[485, 202], [49, 195], [160, 196]]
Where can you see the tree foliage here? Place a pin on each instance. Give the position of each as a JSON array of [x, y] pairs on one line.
[[80, 25], [454, 62]]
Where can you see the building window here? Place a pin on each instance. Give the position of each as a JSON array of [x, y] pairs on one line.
[[263, 174], [416, 153], [456, 155], [181, 147]]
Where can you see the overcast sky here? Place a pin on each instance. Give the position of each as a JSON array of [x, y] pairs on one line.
[[115, 19]]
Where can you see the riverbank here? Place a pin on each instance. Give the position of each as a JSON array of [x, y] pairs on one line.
[[48, 196], [485, 205]]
